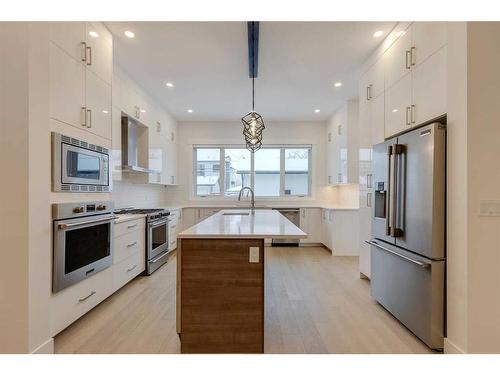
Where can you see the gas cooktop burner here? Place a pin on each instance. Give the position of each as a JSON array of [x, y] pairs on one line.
[[153, 213]]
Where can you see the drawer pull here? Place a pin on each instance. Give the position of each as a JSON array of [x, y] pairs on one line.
[[132, 268], [132, 244], [86, 298], [172, 243], [173, 226], [131, 226]]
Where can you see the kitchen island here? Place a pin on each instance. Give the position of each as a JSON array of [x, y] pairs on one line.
[[220, 280]]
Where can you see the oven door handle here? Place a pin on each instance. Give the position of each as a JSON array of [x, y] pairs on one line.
[[157, 224], [70, 225]]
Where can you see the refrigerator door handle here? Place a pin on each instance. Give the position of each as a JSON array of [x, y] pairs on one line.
[[397, 151], [388, 189], [421, 264]]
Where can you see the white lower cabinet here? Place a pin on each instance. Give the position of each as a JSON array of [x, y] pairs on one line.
[[310, 222], [128, 269], [71, 303], [340, 231], [174, 227]]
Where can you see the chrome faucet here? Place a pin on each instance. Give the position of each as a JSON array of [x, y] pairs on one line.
[[253, 196]]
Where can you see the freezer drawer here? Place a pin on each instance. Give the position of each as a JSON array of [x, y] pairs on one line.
[[411, 288]]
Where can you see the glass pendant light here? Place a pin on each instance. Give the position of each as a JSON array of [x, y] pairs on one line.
[[253, 125]]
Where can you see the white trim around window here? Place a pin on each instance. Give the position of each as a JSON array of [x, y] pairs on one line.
[[219, 184]]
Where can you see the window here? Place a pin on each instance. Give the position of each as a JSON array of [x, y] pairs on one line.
[[296, 171], [271, 171], [207, 180], [267, 172]]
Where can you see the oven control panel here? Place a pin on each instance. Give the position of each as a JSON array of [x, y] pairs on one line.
[[68, 210]]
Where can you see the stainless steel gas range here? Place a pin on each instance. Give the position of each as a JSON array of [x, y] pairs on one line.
[[156, 235]]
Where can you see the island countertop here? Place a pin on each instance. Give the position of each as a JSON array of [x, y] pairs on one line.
[[244, 224]]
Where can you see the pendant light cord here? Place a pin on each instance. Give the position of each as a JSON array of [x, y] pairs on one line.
[[253, 67], [253, 94]]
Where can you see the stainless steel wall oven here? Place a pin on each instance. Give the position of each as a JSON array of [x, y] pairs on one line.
[[83, 241]]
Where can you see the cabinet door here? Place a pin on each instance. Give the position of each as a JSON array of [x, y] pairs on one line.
[[98, 101], [377, 115], [172, 157], [396, 60], [116, 144], [376, 79], [325, 228], [100, 53], [429, 88], [364, 234], [67, 88], [428, 37], [397, 103], [69, 36], [342, 154]]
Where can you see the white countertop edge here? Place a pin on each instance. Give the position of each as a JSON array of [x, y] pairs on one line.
[[269, 206]]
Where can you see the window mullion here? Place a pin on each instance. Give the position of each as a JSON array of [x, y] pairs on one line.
[[252, 171], [222, 171], [282, 172]]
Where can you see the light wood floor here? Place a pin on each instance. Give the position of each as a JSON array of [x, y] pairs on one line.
[[314, 303]]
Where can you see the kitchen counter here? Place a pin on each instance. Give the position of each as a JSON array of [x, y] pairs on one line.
[[263, 223], [269, 206]]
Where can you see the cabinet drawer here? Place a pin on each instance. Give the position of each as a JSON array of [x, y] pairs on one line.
[[173, 225], [71, 303], [128, 244], [129, 226], [127, 269]]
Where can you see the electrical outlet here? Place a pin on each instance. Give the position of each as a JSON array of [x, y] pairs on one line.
[[253, 255]]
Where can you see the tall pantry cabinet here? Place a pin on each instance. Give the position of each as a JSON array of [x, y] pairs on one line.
[[403, 86]]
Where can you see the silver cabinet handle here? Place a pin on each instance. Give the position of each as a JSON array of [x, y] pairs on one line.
[[131, 226], [329, 180], [89, 123], [132, 244], [89, 60], [412, 55], [412, 117], [172, 179], [367, 92], [408, 110], [369, 182], [370, 91], [339, 177], [132, 268], [84, 117], [421, 264], [368, 199], [84, 52], [87, 297], [408, 58]]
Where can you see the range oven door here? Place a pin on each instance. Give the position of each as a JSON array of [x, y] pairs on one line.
[[82, 247], [157, 238]]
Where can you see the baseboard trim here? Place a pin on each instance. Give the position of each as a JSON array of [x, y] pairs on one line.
[[46, 348], [451, 348]]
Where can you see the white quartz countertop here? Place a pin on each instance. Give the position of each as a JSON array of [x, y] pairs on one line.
[[260, 224], [270, 205]]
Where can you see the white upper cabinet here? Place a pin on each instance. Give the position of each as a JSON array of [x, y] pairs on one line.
[[70, 37], [81, 63], [98, 105], [428, 37], [372, 82], [398, 107], [397, 59], [67, 88], [429, 88], [99, 56]]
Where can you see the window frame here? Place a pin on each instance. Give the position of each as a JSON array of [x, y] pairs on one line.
[[222, 170]]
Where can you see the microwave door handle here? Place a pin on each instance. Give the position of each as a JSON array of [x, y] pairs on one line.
[[70, 225]]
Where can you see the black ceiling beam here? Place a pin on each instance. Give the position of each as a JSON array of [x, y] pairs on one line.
[[253, 48]]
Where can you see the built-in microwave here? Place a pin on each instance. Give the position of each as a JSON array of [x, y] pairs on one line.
[[79, 166]]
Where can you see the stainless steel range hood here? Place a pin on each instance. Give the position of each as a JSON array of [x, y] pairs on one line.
[[135, 146]]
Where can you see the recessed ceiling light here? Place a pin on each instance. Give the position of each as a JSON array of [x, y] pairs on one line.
[[129, 34], [337, 84], [143, 111], [169, 84], [104, 111], [93, 34], [317, 111], [394, 110], [190, 111], [378, 34]]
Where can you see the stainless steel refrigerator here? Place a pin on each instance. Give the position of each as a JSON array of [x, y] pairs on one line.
[[408, 248]]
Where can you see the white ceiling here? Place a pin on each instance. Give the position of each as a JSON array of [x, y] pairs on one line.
[[208, 64]]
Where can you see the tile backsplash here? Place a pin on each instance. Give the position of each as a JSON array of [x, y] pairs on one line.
[[127, 194]]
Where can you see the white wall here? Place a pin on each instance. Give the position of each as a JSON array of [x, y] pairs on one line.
[[231, 133]]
